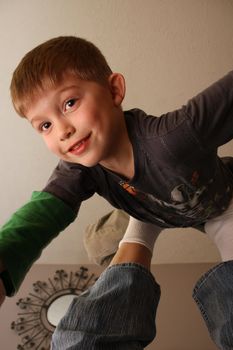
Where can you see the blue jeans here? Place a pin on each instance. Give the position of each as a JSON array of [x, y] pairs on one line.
[[213, 294], [116, 313]]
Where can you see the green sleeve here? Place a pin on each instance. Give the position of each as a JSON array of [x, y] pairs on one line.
[[29, 231]]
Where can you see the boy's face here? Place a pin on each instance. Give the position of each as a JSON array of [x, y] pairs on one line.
[[79, 120]]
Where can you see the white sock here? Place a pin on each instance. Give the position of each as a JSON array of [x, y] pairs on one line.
[[220, 231], [141, 233]]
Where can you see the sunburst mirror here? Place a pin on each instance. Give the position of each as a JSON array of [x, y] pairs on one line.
[[42, 309]]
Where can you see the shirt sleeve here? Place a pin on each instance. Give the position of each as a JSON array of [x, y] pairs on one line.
[[211, 113], [29, 231], [117, 312], [72, 183]]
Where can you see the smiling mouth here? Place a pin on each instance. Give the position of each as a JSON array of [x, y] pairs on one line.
[[79, 146]]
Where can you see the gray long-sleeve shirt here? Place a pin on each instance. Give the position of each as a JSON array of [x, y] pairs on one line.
[[179, 179]]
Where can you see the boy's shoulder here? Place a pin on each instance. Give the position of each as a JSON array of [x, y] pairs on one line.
[[135, 114], [141, 124], [137, 119]]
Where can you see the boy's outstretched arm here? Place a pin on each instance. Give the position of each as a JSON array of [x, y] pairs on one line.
[[33, 226], [211, 113], [27, 233]]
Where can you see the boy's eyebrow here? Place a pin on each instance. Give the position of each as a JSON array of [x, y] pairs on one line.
[[69, 87], [34, 119]]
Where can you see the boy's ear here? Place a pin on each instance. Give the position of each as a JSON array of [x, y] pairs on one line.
[[117, 87]]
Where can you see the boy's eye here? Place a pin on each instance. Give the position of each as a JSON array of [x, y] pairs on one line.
[[45, 126], [70, 104]]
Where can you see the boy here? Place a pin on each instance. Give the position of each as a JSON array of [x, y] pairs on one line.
[[162, 171]]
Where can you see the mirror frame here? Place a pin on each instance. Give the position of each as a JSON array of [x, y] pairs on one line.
[[32, 324]]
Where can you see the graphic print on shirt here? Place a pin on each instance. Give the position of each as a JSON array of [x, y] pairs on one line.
[[187, 201]]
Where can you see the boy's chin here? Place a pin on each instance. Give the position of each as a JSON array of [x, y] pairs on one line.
[[86, 163]]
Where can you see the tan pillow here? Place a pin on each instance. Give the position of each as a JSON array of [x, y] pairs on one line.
[[101, 239]]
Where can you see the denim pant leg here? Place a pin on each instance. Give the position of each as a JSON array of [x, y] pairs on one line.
[[116, 313], [213, 294]]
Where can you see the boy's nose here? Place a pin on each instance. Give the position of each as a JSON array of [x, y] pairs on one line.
[[66, 132]]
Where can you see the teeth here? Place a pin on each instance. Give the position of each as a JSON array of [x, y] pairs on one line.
[[76, 146]]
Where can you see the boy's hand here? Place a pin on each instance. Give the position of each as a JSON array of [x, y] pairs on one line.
[[2, 288], [2, 292]]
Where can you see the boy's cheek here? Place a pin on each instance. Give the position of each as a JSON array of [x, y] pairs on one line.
[[50, 146], [57, 152], [54, 148]]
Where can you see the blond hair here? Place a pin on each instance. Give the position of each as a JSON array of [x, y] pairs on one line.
[[46, 65]]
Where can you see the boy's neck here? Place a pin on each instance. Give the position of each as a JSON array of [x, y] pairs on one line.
[[124, 169], [122, 165], [122, 161]]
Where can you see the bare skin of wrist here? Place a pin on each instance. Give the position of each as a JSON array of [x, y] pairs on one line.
[[2, 288], [2, 292], [134, 253]]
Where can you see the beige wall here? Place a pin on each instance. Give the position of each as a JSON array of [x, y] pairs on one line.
[[179, 324], [168, 51]]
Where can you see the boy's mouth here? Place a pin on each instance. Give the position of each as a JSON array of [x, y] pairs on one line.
[[78, 147]]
